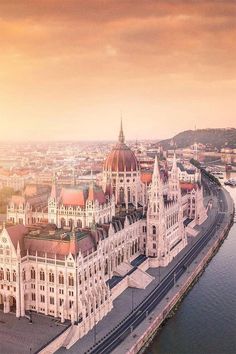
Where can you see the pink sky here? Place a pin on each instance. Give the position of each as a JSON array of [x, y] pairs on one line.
[[68, 68]]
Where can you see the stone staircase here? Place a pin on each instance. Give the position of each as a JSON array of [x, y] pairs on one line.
[[123, 269], [139, 279], [190, 231], [72, 337]]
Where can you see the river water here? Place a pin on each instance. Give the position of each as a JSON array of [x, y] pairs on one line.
[[205, 322]]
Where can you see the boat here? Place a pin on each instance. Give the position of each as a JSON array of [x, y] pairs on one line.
[[230, 182]]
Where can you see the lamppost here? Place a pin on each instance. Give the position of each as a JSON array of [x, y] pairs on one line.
[[132, 299]]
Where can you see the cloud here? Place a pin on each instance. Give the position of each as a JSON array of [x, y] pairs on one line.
[[62, 55]]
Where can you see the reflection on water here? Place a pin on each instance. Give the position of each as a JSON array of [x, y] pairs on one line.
[[205, 323]]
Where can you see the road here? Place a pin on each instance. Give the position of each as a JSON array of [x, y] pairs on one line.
[[132, 320]]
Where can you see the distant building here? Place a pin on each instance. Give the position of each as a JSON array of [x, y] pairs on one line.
[[16, 179], [188, 175], [30, 207]]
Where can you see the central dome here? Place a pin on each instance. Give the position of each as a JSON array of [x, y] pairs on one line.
[[121, 158]]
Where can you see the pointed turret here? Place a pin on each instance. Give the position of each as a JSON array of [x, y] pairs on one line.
[[174, 168], [156, 171], [155, 214], [54, 188], [174, 185], [121, 134], [18, 249], [156, 190], [174, 163]]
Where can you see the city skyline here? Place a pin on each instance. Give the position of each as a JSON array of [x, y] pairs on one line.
[[67, 71]]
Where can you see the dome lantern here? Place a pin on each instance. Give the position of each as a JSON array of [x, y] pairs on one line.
[[121, 158]]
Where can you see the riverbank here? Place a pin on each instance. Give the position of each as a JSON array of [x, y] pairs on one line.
[[139, 339]]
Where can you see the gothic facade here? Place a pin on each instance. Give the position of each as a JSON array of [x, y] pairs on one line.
[[99, 241]]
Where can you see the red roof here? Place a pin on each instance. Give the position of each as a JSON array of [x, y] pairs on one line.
[[47, 246], [72, 196], [59, 247], [14, 172], [188, 185], [146, 177], [17, 233], [17, 199], [96, 193]]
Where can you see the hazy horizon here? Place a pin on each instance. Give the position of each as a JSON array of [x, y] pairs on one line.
[[69, 69], [26, 140]]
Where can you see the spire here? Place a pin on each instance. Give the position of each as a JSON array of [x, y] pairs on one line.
[[155, 203], [18, 249], [174, 164], [156, 172], [54, 188], [121, 135]]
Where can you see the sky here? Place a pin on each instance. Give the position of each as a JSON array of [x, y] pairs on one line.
[[70, 68]]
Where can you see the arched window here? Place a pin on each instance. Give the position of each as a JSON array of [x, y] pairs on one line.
[[51, 277], [154, 230], [32, 272], [122, 195], [42, 275], [71, 223], [14, 275], [79, 223], [1, 274], [129, 195], [8, 275], [61, 278], [154, 208], [63, 222], [106, 267], [23, 274], [70, 280]]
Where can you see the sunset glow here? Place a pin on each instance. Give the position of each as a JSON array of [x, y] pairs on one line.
[[69, 68]]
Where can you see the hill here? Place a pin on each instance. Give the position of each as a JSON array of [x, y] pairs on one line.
[[212, 138]]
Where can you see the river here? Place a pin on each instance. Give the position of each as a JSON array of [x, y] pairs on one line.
[[205, 322]]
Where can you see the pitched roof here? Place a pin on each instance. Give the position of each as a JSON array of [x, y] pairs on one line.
[[96, 193], [188, 186], [73, 197], [17, 199], [146, 177], [17, 233], [54, 245]]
